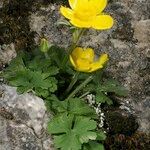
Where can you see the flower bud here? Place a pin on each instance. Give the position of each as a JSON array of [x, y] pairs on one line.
[[44, 45]]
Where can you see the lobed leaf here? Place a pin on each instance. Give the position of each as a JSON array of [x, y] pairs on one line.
[[113, 86], [74, 106], [71, 132], [102, 98], [92, 145]]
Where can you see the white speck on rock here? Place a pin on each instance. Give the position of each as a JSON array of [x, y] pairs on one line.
[[53, 7], [91, 99], [98, 110]]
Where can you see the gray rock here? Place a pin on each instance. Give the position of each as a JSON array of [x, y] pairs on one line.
[[127, 43], [23, 121], [142, 32], [43, 22], [1, 4], [7, 53]]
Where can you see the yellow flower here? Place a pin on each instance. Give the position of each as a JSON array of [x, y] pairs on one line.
[[83, 60], [88, 14]]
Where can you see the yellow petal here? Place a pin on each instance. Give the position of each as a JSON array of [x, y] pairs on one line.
[[72, 61], [95, 66], [82, 5], [98, 5], [102, 22], [66, 12], [80, 23], [77, 52], [92, 6], [72, 3], [88, 54], [103, 59], [100, 63], [82, 65]]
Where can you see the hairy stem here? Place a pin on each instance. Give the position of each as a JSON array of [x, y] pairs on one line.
[[72, 47], [72, 83], [82, 85]]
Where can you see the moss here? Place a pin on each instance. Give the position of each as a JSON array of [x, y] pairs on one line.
[[121, 124], [122, 134], [138, 141], [15, 23], [15, 27]]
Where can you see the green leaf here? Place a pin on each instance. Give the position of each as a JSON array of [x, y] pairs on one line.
[[26, 79], [101, 136], [83, 127], [16, 64], [49, 100], [52, 70], [47, 84], [32, 72], [83, 76], [53, 85], [98, 76], [102, 98], [57, 54], [90, 88], [60, 106], [76, 33], [73, 132], [20, 78], [60, 124], [39, 64], [42, 92], [92, 145], [67, 142], [74, 106], [112, 86], [63, 22], [79, 107], [23, 89]]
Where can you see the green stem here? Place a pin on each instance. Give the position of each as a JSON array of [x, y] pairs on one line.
[[83, 95], [72, 83], [72, 47], [79, 36], [80, 87]]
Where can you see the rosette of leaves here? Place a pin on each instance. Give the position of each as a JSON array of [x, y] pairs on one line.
[[35, 74], [74, 126], [72, 132]]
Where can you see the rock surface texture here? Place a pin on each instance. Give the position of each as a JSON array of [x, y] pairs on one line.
[[23, 121], [7, 53], [127, 43], [23, 118]]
